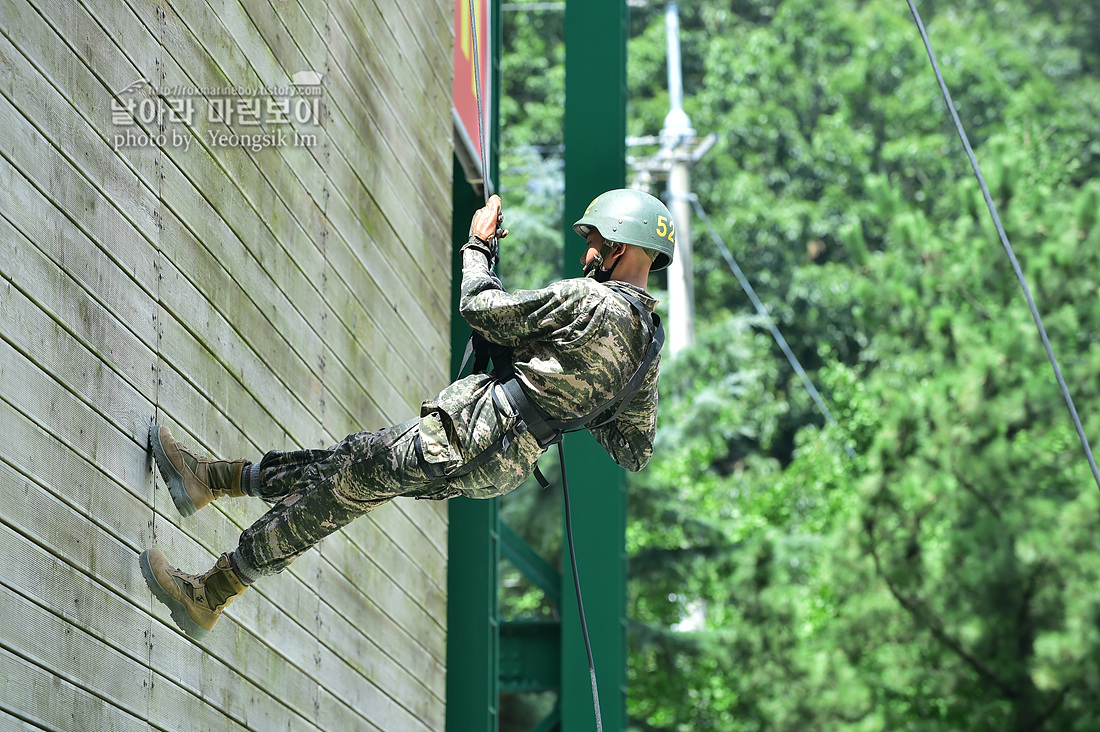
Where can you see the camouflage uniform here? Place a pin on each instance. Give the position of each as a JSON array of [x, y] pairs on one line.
[[576, 344]]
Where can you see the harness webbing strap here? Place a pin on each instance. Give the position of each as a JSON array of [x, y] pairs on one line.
[[549, 431], [633, 385], [531, 418]]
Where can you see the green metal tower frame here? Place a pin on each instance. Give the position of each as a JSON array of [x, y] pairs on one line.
[[473, 543], [486, 656], [595, 161], [473, 555]]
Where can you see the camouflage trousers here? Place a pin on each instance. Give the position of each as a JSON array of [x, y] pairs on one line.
[[317, 492]]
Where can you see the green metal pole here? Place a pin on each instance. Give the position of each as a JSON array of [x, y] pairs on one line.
[[595, 161], [473, 548]]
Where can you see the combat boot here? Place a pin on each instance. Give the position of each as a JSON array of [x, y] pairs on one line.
[[196, 600], [193, 481]]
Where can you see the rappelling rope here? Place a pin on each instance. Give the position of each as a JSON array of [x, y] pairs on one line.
[[480, 113], [561, 452], [1007, 246], [763, 312], [577, 585]]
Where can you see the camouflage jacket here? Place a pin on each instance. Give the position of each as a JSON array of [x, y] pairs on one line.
[[576, 343]]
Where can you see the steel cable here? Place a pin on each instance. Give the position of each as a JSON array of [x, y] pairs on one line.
[[1007, 246], [763, 312]]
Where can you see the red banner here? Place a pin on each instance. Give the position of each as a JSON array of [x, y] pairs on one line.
[[465, 100]]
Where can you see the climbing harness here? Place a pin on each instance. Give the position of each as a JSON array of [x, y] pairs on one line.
[[1007, 246], [530, 417], [549, 431], [530, 414]]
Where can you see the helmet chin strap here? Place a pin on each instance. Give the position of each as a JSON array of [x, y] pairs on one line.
[[594, 269]]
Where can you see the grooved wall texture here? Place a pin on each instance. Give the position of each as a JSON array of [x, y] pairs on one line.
[[250, 292]]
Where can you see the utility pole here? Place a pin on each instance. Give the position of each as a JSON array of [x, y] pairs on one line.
[[675, 140], [678, 150]]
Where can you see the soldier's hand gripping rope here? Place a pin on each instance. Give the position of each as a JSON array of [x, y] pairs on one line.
[[486, 231]]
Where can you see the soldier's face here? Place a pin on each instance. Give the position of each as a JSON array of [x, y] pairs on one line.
[[595, 245]]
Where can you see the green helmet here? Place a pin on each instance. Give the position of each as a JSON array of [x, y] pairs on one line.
[[631, 217]]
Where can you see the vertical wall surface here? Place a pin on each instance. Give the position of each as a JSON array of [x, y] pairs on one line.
[[275, 294]]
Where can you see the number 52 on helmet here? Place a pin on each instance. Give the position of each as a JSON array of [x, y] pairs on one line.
[[631, 217]]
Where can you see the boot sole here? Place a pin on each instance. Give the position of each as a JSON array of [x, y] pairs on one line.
[[172, 477], [177, 608]]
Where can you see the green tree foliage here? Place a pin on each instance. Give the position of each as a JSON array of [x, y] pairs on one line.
[[947, 577], [531, 174]]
